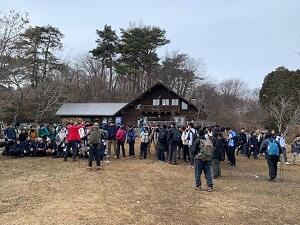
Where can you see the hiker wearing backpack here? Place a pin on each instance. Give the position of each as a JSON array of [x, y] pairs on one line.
[[162, 143], [145, 140], [120, 138], [202, 150], [192, 136], [95, 137], [174, 138], [232, 144], [273, 151], [296, 148], [131, 140]]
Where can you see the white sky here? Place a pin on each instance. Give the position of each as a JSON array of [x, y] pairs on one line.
[[238, 39]]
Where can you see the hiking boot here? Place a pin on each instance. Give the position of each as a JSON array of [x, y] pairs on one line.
[[89, 168], [210, 189], [271, 179], [287, 163], [198, 188], [65, 160], [98, 168]]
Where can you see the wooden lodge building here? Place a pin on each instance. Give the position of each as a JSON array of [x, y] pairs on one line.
[[158, 104]]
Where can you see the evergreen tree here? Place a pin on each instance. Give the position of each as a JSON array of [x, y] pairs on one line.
[[107, 43], [138, 58]]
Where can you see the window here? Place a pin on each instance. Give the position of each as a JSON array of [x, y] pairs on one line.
[[175, 102], [165, 102], [156, 102], [184, 105]]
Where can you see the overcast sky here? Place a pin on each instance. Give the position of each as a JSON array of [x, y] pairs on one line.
[[237, 39]]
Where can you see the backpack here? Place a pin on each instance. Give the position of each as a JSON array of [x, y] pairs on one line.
[[145, 137], [121, 135], [206, 150], [194, 136], [272, 148], [95, 136], [176, 136]]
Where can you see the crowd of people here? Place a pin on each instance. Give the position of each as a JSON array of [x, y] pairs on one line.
[[201, 148]]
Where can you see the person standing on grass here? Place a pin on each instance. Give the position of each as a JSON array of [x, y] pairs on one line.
[[73, 139], [253, 146], [10, 138], [232, 143], [273, 151], [131, 136], [111, 139], [162, 143], [173, 139], [94, 139], [120, 138], [185, 144], [242, 139], [281, 140], [145, 139], [218, 154], [202, 150], [155, 135], [192, 136], [296, 148]]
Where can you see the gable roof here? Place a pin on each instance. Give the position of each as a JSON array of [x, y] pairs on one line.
[[89, 109], [158, 84]]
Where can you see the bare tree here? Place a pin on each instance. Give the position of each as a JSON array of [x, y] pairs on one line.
[[285, 113]]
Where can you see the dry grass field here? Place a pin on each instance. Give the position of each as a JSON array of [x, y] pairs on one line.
[[48, 191]]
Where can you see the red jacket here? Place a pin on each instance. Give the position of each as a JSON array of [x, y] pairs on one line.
[[73, 133], [121, 135]]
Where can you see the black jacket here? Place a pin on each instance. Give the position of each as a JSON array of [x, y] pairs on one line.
[[243, 138], [219, 148], [253, 141], [170, 137]]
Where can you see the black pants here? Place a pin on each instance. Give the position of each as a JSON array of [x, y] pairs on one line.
[[73, 145], [253, 150], [231, 155], [131, 148], [172, 153], [272, 161], [144, 150], [186, 155], [94, 154], [8, 146], [120, 144]]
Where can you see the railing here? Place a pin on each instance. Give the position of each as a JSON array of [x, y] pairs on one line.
[[160, 109]]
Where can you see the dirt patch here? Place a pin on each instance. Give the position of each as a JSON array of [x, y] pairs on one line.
[[48, 191]]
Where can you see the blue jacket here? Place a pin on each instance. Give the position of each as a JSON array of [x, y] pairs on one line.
[[111, 132], [131, 136], [10, 134]]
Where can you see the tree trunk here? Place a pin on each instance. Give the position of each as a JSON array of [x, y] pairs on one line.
[[110, 74]]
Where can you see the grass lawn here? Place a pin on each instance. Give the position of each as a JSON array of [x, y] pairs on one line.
[[49, 191]]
